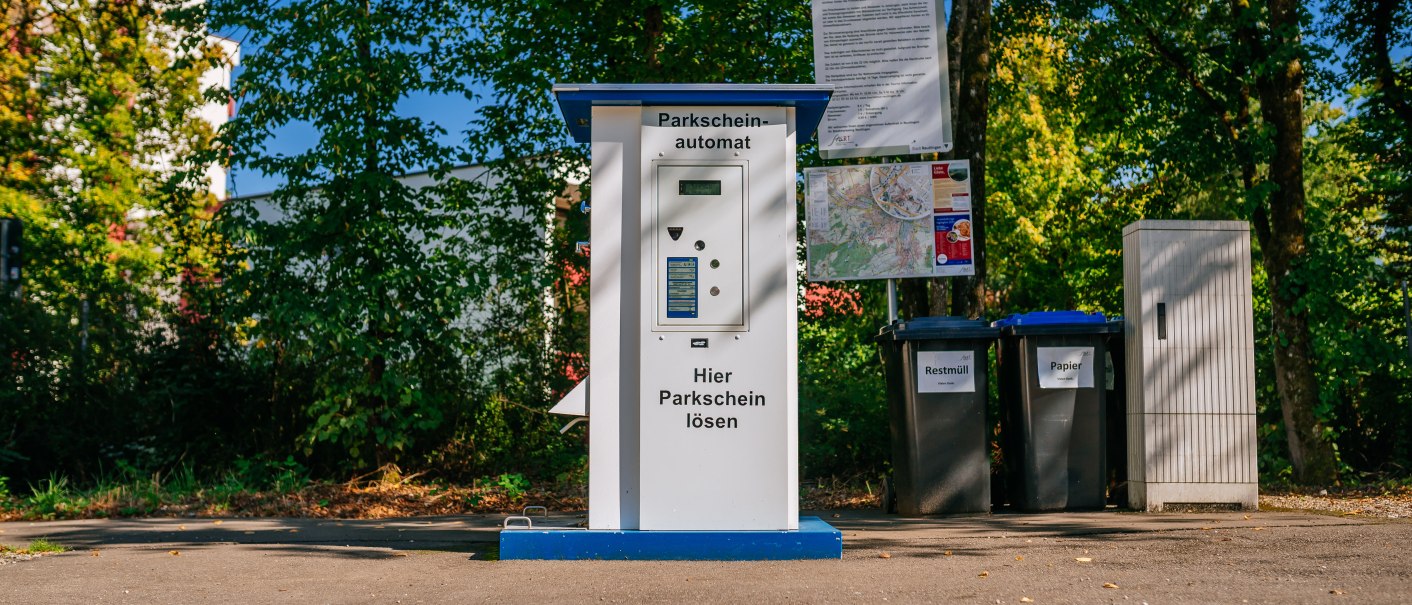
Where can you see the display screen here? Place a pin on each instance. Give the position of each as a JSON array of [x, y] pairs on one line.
[[699, 187]]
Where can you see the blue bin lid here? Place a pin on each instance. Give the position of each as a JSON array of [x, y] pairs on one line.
[[939, 328], [1051, 318], [1055, 323]]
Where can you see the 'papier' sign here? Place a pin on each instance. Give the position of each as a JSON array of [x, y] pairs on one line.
[[946, 372], [1065, 367]]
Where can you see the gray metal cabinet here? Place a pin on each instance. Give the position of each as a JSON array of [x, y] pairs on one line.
[[1191, 364]]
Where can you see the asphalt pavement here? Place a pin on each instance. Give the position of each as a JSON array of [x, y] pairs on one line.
[[1095, 557]]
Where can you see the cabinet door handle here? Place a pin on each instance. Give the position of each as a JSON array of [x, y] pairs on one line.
[[1161, 321]]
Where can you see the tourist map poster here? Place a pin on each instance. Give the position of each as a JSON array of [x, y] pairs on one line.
[[886, 221]]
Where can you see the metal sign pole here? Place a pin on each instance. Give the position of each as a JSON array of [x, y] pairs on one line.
[[892, 300]]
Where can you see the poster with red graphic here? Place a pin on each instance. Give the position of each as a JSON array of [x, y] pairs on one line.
[[953, 244]]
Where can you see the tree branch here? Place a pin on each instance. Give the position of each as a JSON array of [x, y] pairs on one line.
[[1394, 95], [1185, 69]]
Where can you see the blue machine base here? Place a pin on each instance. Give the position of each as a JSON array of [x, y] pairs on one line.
[[815, 539]]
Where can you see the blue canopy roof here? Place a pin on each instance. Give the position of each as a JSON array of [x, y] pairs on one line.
[[577, 100]]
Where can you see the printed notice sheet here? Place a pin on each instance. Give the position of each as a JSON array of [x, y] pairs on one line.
[[887, 62]]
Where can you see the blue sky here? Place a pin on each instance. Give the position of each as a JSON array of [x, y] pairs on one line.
[[452, 114]]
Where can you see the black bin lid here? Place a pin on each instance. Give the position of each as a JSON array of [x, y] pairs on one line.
[[938, 328]]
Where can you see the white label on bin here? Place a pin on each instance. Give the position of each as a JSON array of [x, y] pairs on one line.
[[1065, 367], [946, 371]]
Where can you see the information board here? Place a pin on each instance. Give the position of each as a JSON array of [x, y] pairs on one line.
[[887, 62], [886, 221]]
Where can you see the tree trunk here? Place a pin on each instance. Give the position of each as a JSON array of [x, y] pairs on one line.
[[912, 301], [972, 105], [377, 331], [1281, 231]]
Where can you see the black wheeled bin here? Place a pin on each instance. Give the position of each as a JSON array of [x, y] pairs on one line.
[[1052, 393], [936, 384]]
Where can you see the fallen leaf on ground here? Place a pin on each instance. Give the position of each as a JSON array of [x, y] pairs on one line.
[[984, 574], [174, 553], [1247, 517], [1335, 591], [1019, 557], [947, 553], [1109, 585], [94, 553], [883, 555], [1083, 559], [1257, 529], [1026, 600]]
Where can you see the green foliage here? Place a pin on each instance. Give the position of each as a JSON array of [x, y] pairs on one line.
[[1355, 303], [52, 497], [350, 320], [1055, 200], [280, 476], [99, 151], [350, 282], [513, 485], [843, 422]]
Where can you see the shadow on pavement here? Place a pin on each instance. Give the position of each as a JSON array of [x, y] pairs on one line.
[[382, 538]]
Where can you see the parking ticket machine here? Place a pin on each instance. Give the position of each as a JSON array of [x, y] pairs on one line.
[[692, 398]]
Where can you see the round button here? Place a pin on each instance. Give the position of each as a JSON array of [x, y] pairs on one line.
[[700, 245], [715, 264], [715, 291]]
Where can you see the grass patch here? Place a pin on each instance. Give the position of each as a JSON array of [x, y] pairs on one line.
[[284, 489], [44, 546], [37, 547]]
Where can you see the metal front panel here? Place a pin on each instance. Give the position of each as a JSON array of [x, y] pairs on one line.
[[734, 362], [698, 238]]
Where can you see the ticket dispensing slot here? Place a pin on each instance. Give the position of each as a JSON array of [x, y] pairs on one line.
[[699, 240]]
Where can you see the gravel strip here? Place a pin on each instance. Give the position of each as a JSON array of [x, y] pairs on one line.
[[14, 557], [1384, 505]]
